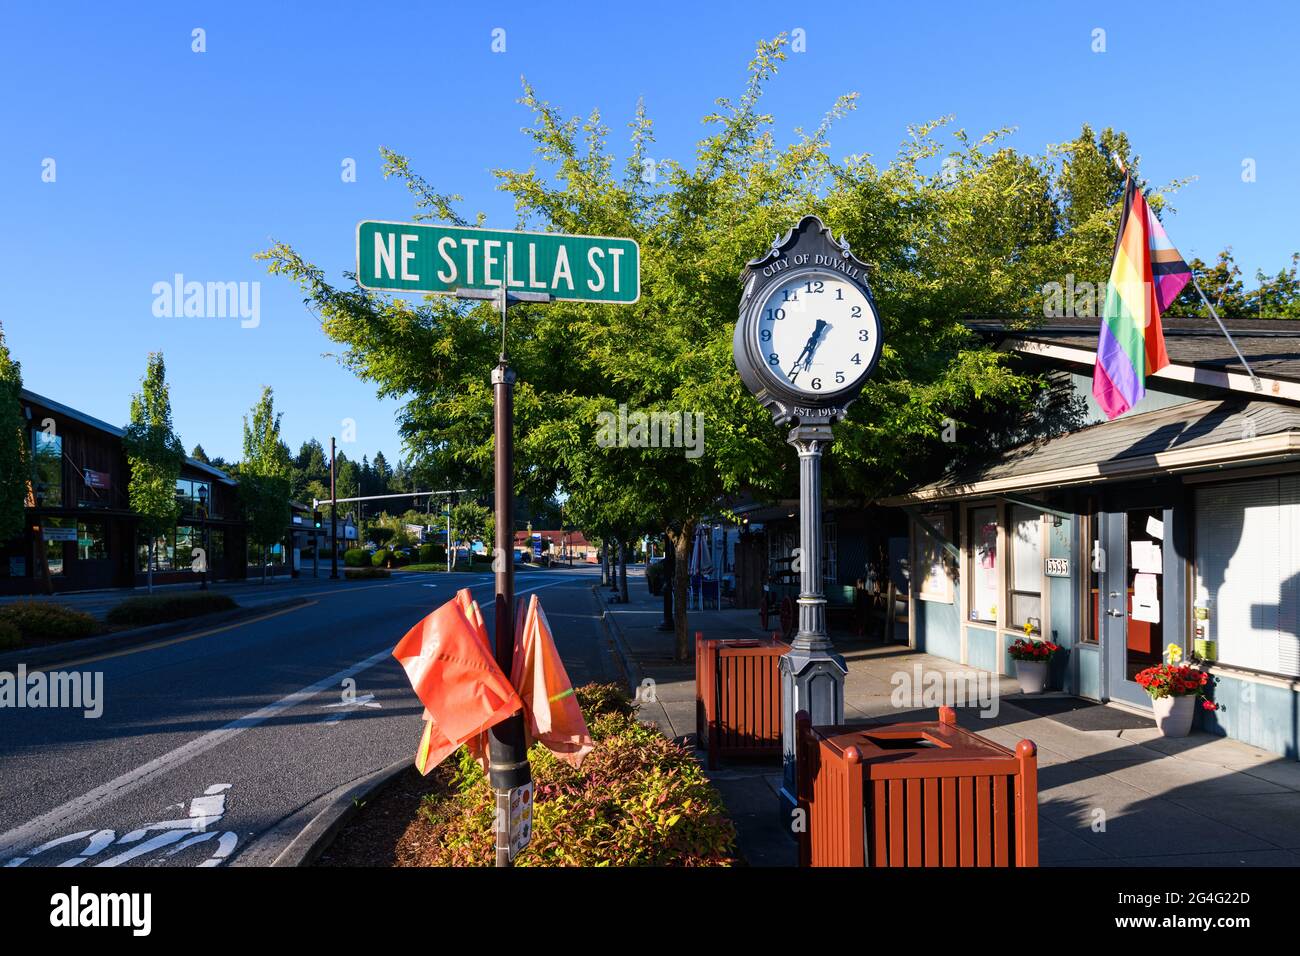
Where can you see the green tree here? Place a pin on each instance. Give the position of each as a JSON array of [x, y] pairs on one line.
[[155, 455], [198, 454], [264, 476], [948, 228], [15, 466]]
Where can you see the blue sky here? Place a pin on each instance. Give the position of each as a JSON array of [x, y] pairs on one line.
[[169, 161]]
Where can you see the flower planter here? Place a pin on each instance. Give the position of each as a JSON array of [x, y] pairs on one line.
[[1032, 676], [1174, 714]]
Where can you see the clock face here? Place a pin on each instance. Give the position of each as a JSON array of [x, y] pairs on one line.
[[817, 332]]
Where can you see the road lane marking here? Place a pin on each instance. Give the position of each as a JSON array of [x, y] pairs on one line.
[[23, 836], [67, 665]]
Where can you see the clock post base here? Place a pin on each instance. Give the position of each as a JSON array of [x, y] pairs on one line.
[[813, 681]]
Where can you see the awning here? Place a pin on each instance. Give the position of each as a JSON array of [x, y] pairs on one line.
[[1194, 436]]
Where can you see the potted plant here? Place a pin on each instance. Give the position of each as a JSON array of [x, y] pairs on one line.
[[1032, 660], [1174, 690]]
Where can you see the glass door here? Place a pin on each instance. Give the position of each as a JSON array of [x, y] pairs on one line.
[[1133, 600]]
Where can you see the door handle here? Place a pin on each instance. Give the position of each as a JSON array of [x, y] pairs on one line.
[[1114, 613]]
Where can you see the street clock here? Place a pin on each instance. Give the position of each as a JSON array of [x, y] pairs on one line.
[[808, 335], [806, 341]]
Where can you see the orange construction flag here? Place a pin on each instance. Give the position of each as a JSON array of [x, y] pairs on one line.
[[551, 710], [448, 659]]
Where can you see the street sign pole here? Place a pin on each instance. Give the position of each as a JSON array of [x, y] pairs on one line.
[[508, 769], [504, 268], [334, 520]]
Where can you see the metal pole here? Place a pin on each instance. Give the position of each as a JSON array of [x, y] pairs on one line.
[[334, 520], [812, 674], [507, 751], [448, 534], [1254, 380]]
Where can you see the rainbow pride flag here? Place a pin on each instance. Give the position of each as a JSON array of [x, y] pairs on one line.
[[1145, 278]]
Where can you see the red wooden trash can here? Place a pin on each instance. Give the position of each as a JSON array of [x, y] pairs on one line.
[[915, 794], [738, 696]]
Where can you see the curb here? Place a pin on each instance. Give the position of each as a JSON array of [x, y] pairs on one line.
[[631, 669], [314, 838], [51, 654]]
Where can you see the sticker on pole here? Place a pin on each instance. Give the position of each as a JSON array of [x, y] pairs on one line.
[[521, 818]]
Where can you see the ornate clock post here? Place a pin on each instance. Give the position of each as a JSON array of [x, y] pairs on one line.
[[807, 339]]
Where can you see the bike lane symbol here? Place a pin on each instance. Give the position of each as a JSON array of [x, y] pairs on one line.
[[179, 834]]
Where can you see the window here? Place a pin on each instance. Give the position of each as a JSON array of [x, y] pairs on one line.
[[92, 545], [55, 531], [47, 458], [193, 496], [1025, 572], [984, 564], [1248, 570], [163, 554], [932, 560], [1092, 593], [185, 544]]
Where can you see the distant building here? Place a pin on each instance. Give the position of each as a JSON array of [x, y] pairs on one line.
[[80, 529], [557, 545]]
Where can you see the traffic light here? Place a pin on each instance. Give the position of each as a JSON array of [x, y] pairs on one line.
[[315, 520]]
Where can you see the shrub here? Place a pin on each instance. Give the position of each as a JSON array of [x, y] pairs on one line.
[[155, 609], [9, 636], [432, 554], [355, 558], [383, 558], [43, 621], [639, 799], [359, 574]]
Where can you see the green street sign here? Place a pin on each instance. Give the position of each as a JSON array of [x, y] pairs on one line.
[[412, 257]]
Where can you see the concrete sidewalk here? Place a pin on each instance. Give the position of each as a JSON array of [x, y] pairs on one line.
[[1112, 791]]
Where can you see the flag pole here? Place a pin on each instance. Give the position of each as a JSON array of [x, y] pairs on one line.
[[1254, 379]]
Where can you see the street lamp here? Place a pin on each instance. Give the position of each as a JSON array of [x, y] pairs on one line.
[[203, 518]]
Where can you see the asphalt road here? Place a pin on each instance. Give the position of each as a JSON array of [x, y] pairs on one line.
[[214, 747]]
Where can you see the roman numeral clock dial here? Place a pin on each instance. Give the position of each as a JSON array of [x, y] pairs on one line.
[[817, 333]]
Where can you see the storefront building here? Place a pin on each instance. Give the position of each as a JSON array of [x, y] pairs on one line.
[[1178, 523], [80, 531]]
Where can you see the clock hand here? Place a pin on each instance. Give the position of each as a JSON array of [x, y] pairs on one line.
[[805, 357]]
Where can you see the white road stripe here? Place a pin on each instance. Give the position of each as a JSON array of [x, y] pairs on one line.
[[22, 837]]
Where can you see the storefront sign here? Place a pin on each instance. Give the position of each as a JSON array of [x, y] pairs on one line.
[[1058, 567], [97, 479], [59, 534]]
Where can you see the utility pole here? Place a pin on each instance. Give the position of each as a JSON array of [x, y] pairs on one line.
[[334, 519]]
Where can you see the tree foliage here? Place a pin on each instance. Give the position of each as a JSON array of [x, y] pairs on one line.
[[264, 474], [15, 465], [949, 226], [155, 455]]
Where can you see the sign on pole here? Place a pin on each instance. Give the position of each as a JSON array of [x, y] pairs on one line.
[[414, 257]]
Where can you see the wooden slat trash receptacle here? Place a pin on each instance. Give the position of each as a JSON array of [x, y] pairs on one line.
[[915, 794], [738, 696]]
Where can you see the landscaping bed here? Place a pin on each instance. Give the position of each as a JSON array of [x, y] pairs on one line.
[[161, 608], [34, 623], [639, 799]]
